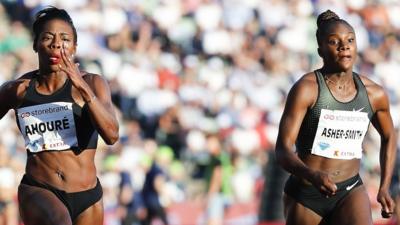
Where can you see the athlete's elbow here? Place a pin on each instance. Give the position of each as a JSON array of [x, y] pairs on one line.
[[112, 138], [281, 157]]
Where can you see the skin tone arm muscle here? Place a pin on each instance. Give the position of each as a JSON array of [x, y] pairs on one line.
[[5, 94], [11, 95], [96, 93], [300, 98], [102, 110], [382, 121]]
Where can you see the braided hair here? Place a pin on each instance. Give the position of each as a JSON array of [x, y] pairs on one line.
[[47, 14], [324, 21]]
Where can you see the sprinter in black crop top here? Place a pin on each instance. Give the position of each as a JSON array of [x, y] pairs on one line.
[[326, 117], [60, 111]]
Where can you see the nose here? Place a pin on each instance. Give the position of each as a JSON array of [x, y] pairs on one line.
[[56, 43], [343, 46]]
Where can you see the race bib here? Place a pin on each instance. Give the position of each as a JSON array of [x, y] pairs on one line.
[[340, 134], [48, 126]]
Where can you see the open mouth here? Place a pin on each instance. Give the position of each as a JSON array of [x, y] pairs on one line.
[[54, 59], [345, 58]]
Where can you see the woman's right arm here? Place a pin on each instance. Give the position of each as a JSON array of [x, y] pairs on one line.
[[301, 97], [10, 93]]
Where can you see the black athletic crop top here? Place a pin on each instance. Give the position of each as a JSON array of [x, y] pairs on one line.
[[325, 100], [54, 122]]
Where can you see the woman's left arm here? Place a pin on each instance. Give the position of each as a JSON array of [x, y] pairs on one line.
[[101, 109], [96, 93], [382, 121]]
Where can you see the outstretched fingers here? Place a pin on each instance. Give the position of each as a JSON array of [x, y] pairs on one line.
[[68, 66]]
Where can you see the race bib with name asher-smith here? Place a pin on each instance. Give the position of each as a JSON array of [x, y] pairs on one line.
[[340, 134]]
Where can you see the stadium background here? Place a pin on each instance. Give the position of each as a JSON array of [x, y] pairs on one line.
[[183, 71]]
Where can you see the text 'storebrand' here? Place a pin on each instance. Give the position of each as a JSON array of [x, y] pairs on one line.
[[38, 112]]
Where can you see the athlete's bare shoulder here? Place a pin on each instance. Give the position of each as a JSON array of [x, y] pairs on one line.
[[28, 76], [98, 84], [92, 78], [13, 91], [308, 79], [370, 84], [305, 89], [376, 93]]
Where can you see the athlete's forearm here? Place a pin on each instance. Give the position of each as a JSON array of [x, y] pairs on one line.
[[101, 109], [292, 164], [104, 120], [387, 160]]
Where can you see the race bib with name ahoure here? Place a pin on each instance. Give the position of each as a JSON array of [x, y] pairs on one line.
[[340, 134], [48, 126]]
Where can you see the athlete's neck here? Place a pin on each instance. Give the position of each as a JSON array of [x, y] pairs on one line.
[[49, 82], [341, 80]]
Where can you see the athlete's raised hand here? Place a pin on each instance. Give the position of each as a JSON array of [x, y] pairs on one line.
[[69, 66]]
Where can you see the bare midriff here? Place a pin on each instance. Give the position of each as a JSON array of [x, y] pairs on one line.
[[64, 170], [338, 169]]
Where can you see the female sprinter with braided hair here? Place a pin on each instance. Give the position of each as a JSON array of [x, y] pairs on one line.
[[60, 111], [326, 116]]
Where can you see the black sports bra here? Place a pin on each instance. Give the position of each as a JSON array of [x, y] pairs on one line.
[[54, 122]]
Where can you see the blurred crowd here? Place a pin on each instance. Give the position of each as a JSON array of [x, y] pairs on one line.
[[199, 85]]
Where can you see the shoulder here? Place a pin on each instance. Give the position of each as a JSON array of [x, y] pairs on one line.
[[308, 80], [18, 86], [305, 89], [97, 82], [94, 79], [376, 93], [371, 86], [12, 92], [28, 75]]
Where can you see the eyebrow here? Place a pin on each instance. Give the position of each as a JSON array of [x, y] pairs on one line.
[[48, 32]]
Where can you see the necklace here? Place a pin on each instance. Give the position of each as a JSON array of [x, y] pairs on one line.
[[335, 83]]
